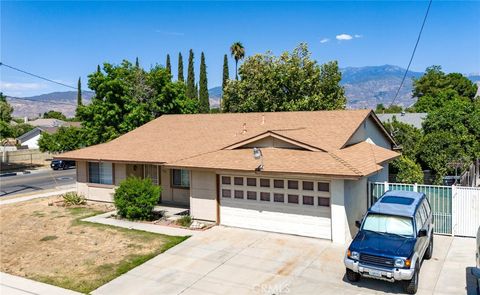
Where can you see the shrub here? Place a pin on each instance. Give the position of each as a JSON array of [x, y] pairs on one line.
[[73, 199], [136, 197], [185, 221], [408, 170]]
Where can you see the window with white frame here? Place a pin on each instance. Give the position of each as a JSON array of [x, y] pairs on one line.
[[100, 172], [291, 192], [180, 178]]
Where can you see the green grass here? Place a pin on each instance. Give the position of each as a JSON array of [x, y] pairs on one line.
[[108, 271]]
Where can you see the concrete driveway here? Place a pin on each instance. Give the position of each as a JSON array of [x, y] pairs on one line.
[[235, 261]]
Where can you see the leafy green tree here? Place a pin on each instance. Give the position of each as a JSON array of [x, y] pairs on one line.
[[381, 109], [168, 66], [65, 139], [435, 88], [127, 97], [54, 115], [407, 137], [79, 93], [6, 109], [238, 52], [290, 82], [407, 170], [191, 93], [203, 91], [181, 78], [13, 131]]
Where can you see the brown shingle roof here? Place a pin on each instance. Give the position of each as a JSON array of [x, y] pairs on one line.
[[355, 161], [172, 138]]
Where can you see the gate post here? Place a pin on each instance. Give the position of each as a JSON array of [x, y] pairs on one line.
[[415, 187], [385, 186], [452, 200]]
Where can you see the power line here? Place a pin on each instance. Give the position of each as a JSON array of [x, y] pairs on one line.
[[413, 53], [37, 76]]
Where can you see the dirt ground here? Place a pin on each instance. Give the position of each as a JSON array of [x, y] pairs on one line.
[[51, 244]]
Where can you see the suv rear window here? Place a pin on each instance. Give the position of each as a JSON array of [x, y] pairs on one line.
[[397, 200]]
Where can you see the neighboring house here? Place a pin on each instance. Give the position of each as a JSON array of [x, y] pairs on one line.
[[311, 179], [414, 119], [31, 138]]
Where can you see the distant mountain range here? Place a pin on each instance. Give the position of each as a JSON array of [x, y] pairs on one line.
[[365, 87]]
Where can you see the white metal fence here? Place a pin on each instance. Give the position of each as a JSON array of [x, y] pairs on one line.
[[456, 210]]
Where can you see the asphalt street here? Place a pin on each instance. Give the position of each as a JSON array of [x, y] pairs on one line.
[[37, 181]]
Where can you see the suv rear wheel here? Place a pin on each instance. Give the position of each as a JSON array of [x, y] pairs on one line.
[[429, 252], [352, 276], [411, 286]]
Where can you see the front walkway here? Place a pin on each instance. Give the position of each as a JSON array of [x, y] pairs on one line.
[[13, 285], [150, 227]]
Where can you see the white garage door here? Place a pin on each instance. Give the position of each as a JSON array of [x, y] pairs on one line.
[[299, 207]]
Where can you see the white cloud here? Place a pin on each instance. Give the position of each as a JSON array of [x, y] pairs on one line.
[[324, 40], [14, 86], [357, 36], [344, 37]]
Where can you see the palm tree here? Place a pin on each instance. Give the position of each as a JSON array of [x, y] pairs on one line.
[[238, 52]]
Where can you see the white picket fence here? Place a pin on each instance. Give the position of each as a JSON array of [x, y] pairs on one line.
[[456, 209]]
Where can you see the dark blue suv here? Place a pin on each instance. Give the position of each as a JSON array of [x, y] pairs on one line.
[[395, 235]]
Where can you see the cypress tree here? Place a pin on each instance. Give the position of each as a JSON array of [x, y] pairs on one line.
[[180, 68], [203, 92], [191, 77], [225, 72], [79, 93], [137, 64], [98, 69], [168, 66]]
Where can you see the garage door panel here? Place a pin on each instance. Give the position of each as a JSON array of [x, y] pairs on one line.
[[304, 225], [239, 209]]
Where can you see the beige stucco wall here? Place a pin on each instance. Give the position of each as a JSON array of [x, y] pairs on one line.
[[339, 215], [271, 142], [370, 130], [355, 204], [171, 194], [203, 192]]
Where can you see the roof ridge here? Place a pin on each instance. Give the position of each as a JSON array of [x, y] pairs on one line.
[[344, 163]]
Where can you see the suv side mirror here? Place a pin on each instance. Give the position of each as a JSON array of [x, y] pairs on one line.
[[358, 223], [422, 233]]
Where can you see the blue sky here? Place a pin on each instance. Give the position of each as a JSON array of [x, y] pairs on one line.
[[65, 40]]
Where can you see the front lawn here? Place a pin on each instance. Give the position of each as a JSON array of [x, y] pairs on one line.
[[52, 245]]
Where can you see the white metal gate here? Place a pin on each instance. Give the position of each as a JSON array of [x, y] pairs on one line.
[[466, 211]]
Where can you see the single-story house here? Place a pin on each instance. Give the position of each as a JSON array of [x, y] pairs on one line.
[[30, 138], [302, 173]]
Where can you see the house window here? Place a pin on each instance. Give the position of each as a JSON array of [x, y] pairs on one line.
[[251, 195], [226, 193], [264, 196], [323, 187], [251, 182], [278, 183], [180, 178], [278, 198], [324, 202], [238, 194], [292, 184], [293, 199], [101, 173], [307, 200], [226, 180], [238, 180], [264, 182]]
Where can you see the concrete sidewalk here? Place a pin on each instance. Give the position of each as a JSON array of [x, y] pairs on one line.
[[154, 228], [14, 285], [57, 191]]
